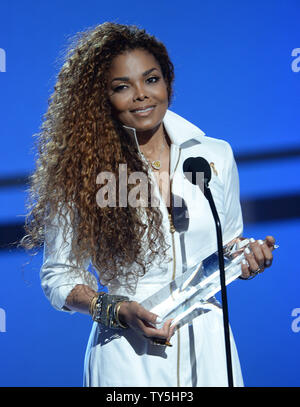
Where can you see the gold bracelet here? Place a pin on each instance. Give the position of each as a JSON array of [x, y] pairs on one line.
[[93, 304], [107, 314], [117, 315]]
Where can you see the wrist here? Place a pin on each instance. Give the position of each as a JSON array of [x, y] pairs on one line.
[[105, 310]]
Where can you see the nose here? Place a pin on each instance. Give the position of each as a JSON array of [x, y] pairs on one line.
[[140, 93]]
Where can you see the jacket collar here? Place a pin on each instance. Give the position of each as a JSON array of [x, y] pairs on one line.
[[181, 132]]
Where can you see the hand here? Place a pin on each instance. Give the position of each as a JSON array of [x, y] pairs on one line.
[[258, 257], [143, 322]]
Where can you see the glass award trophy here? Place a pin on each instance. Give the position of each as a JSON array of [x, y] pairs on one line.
[[189, 294]]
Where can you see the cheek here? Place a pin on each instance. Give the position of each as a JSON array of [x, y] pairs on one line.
[[163, 94], [120, 111], [119, 103]]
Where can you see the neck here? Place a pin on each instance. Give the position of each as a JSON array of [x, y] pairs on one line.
[[151, 141]]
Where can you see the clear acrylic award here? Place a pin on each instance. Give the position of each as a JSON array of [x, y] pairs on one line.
[[189, 294]]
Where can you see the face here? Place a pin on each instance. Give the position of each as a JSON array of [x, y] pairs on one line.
[[137, 90]]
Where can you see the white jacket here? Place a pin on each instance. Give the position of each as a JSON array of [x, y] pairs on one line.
[[197, 357]]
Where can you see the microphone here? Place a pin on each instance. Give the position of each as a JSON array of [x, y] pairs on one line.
[[200, 172], [197, 165]]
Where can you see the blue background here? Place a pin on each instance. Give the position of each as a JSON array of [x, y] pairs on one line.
[[234, 79]]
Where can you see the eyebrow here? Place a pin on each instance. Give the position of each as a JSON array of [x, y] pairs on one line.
[[126, 78]]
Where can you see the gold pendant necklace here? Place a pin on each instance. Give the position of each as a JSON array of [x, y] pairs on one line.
[[156, 164]]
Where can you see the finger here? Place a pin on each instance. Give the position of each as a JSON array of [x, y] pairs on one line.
[[258, 253], [149, 318], [171, 332], [162, 333], [245, 269], [167, 326], [267, 251], [158, 340], [136, 317], [143, 321], [270, 241], [253, 265]]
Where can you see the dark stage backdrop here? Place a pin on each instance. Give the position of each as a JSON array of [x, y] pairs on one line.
[[237, 78]]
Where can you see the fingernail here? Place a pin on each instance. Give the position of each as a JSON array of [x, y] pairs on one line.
[[160, 342], [245, 262], [252, 240], [247, 250], [158, 320], [267, 262], [261, 241], [242, 243]]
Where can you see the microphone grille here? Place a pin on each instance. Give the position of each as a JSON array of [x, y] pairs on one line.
[[196, 165]]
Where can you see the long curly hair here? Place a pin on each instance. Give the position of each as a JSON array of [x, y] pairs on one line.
[[78, 139]]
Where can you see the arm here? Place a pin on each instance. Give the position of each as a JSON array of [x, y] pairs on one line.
[[59, 276], [73, 291], [260, 255], [131, 313], [80, 298]]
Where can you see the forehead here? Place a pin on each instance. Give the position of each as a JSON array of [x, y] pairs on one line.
[[133, 62]]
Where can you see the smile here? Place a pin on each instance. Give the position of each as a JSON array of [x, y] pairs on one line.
[[144, 111]]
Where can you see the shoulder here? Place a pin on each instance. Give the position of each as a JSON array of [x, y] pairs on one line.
[[190, 137], [193, 142], [219, 148]]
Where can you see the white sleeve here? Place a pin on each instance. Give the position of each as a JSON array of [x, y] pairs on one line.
[[233, 225], [58, 274]]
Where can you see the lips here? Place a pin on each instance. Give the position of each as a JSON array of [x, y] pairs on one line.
[[143, 109]]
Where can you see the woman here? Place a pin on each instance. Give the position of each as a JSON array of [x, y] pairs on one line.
[[109, 112]]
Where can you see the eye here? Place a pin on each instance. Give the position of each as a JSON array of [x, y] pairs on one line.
[[153, 79], [119, 88]]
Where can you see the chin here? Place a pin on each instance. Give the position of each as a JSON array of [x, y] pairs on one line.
[[148, 125], [152, 127], [144, 124]]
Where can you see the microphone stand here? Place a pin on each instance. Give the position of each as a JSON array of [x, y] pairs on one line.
[[209, 197]]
